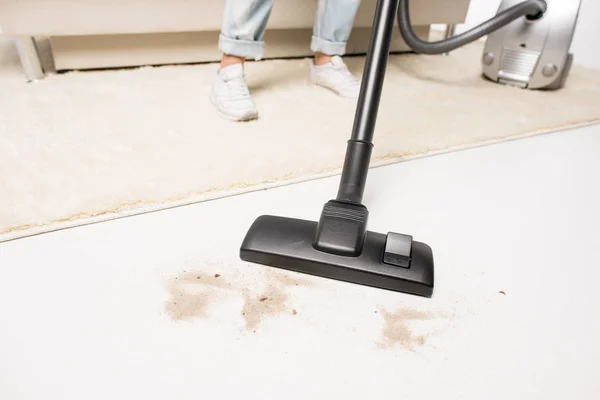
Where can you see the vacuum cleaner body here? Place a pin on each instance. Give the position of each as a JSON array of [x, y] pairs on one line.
[[533, 53]]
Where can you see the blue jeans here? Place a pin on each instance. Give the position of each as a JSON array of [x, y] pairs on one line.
[[245, 22]]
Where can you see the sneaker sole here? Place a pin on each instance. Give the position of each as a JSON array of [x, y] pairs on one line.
[[245, 118], [330, 90]]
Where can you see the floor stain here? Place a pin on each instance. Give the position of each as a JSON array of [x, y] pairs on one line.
[[397, 330], [183, 305], [193, 292], [289, 280], [272, 302]]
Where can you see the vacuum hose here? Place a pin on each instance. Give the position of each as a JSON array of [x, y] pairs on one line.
[[532, 9]]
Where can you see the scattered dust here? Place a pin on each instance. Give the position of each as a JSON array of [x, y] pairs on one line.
[[200, 279], [272, 302], [397, 331], [193, 292], [256, 309], [184, 305], [289, 280]]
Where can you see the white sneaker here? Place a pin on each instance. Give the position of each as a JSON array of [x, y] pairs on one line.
[[230, 95], [336, 77]]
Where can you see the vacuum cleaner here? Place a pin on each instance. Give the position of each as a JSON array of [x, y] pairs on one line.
[[339, 246], [527, 46]]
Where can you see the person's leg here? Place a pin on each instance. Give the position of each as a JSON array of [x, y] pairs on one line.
[[244, 25], [332, 28]]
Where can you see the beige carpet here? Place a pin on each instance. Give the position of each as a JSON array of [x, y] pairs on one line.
[[90, 146]]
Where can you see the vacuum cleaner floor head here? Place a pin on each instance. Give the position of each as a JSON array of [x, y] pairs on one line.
[[393, 261]]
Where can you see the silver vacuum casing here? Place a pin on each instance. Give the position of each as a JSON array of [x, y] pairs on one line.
[[533, 54]]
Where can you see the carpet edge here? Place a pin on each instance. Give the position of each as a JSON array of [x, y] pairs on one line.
[[381, 161]]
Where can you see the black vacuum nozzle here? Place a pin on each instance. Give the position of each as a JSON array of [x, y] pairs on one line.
[[393, 261], [342, 229]]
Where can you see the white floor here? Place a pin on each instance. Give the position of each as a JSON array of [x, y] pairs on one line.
[[82, 311]]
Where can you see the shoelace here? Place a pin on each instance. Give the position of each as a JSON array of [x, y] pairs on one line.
[[352, 80], [237, 88]]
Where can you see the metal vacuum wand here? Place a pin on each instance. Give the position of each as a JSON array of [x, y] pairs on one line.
[[358, 153]]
